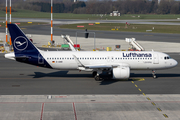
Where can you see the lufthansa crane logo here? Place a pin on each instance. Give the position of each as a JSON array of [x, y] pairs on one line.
[[20, 43]]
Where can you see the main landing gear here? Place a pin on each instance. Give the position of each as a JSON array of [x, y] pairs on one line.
[[107, 74], [154, 74], [97, 78], [96, 75]]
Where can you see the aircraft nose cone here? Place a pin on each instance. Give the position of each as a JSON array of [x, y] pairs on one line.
[[175, 63]]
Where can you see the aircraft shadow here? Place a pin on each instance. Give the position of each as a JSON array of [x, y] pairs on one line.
[[135, 77], [58, 74], [159, 75], [104, 76], [105, 80]]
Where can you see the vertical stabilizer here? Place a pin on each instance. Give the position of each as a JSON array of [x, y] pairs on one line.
[[20, 42], [24, 50]]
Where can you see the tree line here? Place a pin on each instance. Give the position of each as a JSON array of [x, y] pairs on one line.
[[98, 7], [46, 7]]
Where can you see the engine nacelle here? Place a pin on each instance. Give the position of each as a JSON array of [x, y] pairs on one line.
[[121, 72]]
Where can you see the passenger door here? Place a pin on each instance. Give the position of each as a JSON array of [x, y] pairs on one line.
[[156, 58]]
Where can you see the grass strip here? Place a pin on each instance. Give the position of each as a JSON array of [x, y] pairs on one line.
[[35, 14], [126, 28]]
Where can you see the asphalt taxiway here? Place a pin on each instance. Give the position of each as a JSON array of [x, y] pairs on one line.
[[23, 79], [76, 21], [144, 36]]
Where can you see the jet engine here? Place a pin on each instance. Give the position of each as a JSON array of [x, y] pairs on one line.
[[121, 72]]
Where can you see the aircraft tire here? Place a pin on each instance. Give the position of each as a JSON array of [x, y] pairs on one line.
[[97, 78], [154, 76]]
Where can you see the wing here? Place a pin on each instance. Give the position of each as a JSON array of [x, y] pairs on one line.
[[97, 66], [100, 66]]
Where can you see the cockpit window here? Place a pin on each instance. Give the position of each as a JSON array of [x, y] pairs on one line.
[[167, 57]]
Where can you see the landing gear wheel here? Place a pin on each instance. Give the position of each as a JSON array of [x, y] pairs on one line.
[[154, 76], [97, 78], [94, 73]]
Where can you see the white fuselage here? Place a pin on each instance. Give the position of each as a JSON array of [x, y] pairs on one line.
[[134, 59]]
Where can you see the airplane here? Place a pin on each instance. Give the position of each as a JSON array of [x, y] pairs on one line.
[[116, 63]]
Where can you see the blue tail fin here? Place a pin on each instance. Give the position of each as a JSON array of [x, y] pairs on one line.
[[24, 50], [20, 42]]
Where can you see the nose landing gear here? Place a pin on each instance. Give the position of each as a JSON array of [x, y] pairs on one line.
[[154, 74]]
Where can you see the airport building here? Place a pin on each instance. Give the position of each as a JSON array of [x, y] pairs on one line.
[[115, 13]]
